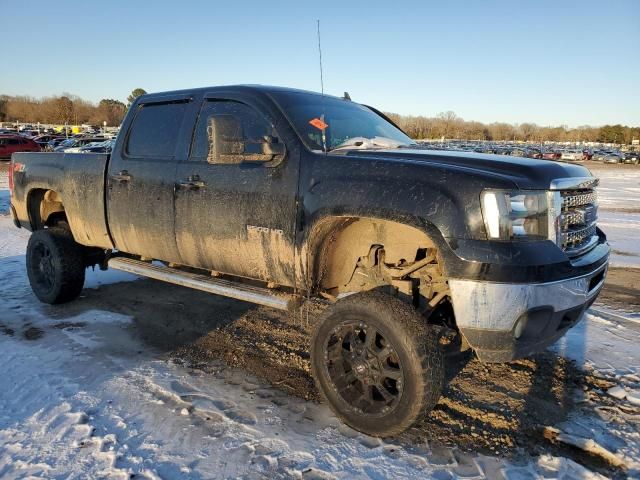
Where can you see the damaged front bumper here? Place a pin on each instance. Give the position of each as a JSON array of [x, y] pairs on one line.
[[505, 321]]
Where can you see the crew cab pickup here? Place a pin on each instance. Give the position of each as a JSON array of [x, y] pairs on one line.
[[271, 195]]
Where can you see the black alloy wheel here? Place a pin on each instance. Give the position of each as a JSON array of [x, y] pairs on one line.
[[377, 363]]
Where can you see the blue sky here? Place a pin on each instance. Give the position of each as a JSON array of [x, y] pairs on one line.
[[550, 62]]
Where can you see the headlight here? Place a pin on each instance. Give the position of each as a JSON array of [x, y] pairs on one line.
[[515, 215]]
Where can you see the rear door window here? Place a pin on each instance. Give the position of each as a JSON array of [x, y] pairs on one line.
[[155, 130]]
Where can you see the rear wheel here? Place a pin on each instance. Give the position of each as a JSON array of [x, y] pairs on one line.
[[377, 363], [55, 265]]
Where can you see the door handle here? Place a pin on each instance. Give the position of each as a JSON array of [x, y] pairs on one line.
[[191, 183], [122, 176]]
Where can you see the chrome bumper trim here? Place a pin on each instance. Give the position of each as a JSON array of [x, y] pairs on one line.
[[497, 306]]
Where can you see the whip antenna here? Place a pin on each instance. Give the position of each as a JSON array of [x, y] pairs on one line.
[[320, 54], [322, 117]]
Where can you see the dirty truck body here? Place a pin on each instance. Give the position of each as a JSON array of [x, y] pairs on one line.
[[270, 194]]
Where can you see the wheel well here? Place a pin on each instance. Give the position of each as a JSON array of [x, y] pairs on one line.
[[45, 208], [362, 254], [343, 241]]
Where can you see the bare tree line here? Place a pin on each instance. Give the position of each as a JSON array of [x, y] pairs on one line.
[[64, 109], [449, 125], [71, 109]]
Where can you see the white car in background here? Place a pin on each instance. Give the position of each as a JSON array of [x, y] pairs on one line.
[[571, 155], [90, 147]]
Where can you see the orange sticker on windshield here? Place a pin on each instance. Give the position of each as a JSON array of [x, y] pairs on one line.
[[319, 124]]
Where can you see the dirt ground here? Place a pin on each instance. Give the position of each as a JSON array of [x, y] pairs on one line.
[[622, 289], [490, 408]]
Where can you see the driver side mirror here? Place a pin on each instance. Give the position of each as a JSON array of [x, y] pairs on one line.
[[227, 143]]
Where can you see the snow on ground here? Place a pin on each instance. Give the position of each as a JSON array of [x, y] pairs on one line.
[[623, 233], [607, 343], [4, 188], [619, 212], [619, 187], [84, 396]]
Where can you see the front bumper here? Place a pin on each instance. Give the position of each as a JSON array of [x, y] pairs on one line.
[[505, 321]]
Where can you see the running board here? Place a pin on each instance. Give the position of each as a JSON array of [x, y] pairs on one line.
[[217, 286]]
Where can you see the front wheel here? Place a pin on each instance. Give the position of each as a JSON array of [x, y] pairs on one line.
[[55, 265], [377, 363]]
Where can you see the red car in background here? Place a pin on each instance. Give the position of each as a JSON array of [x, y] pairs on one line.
[[551, 155], [15, 143], [587, 154]]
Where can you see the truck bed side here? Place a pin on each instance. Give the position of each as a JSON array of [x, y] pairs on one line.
[[78, 181]]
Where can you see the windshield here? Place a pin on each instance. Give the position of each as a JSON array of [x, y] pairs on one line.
[[338, 124]]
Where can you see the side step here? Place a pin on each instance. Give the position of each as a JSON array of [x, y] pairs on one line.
[[217, 286]]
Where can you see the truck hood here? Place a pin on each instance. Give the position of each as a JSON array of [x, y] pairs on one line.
[[526, 173]]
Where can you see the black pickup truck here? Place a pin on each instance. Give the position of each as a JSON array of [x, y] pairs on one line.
[[271, 195]]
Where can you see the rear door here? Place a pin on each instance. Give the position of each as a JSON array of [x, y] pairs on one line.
[[232, 216], [140, 180]]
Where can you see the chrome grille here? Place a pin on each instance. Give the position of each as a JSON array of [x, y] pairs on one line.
[[573, 199], [577, 220], [574, 238]]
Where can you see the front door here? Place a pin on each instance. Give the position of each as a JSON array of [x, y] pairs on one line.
[[233, 216], [140, 181]]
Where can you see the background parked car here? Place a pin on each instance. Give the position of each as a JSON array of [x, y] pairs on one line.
[[72, 144], [53, 143], [587, 154], [533, 152], [632, 158], [65, 143], [43, 140], [100, 147], [10, 144], [571, 155], [29, 133], [613, 158]]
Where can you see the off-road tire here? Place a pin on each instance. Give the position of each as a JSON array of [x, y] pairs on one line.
[[64, 277], [414, 342]]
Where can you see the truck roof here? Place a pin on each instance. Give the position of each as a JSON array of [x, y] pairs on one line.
[[264, 89]]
